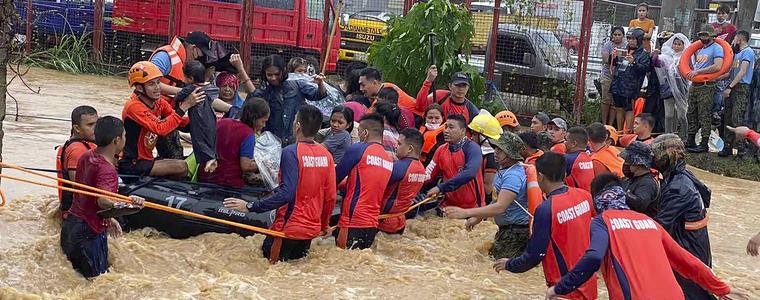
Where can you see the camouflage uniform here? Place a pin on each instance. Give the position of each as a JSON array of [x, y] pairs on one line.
[[699, 113], [736, 106], [511, 239], [170, 147]]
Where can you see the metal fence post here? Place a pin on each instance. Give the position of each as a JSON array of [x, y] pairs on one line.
[[246, 32], [491, 61], [97, 32], [172, 20], [29, 12], [583, 48]]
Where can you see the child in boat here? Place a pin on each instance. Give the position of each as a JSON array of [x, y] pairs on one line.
[[202, 117], [337, 138], [83, 234]]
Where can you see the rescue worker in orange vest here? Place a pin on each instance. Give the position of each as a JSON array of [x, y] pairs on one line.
[[170, 59], [683, 207], [560, 229], [531, 151], [510, 209], [557, 129], [605, 157], [508, 121], [641, 186], [637, 257], [579, 170], [82, 139], [642, 130], [146, 118]]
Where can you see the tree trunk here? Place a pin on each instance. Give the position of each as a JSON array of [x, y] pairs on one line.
[[6, 33], [745, 16]]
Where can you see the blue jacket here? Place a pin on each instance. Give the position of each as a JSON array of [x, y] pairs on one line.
[[628, 83], [284, 102]]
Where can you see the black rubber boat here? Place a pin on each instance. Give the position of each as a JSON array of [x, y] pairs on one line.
[[201, 198]]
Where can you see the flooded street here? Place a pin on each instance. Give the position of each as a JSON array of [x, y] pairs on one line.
[[435, 258]]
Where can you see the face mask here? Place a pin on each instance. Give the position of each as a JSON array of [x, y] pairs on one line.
[[432, 126], [721, 22], [627, 171]]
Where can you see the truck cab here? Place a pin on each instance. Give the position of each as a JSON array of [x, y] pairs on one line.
[[363, 23], [532, 62]]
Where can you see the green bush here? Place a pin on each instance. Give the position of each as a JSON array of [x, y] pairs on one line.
[[72, 54], [404, 54]]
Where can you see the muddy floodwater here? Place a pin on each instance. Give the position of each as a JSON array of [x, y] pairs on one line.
[[435, 258]]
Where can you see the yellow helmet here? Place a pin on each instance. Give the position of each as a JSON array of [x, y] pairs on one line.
[[486, 124]]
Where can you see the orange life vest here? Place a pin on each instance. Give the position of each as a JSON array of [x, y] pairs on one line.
[[535, 196], [404, 100], [608, 157], [177, 54], [430, 138]]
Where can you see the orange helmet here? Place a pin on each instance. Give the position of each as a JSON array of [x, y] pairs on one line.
[[507, 118], [142, 72], [613, 134]]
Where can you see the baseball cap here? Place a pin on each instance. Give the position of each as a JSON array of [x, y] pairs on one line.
[[460, 78], [708, 29], [201, 40], [559, 123], [543, 118]]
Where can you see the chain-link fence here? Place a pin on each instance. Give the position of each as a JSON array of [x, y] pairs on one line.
[[121, 32]]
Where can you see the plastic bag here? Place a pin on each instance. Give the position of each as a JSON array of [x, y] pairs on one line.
[[715, 144], [267, 154], [325, 105]]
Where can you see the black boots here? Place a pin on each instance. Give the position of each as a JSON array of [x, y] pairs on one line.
[[727, 151], [690, 141], [702, 148]]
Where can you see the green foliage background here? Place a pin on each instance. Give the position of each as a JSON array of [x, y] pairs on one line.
[[404, 54]]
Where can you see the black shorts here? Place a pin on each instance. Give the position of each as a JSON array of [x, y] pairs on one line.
[[279, 249], [355, 238], [622, 102], [138, 167], [86, 250]]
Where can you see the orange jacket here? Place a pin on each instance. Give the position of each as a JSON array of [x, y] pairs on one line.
[[608, 157]]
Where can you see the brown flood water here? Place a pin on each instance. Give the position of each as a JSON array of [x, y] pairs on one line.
[[435, 258]]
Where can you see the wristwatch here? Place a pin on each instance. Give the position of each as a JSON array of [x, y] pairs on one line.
[[249, 206]]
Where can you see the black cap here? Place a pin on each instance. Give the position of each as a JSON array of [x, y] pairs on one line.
[[201, 40], [459, 78], [543, 118]]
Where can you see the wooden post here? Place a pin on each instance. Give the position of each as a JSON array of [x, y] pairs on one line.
[[246, 34], [97, 32], [491, 61], [7, 10]]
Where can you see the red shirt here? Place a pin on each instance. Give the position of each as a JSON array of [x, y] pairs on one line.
[[144, 125], [633, 238], [462, 170], [230, 137], [94, 170], [580, 171], [405, 183], [368, 168], [559, 148], [466, 108], [306, 195]]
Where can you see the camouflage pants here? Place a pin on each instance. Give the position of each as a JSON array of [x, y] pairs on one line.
[[170, 147], [510, 241], [699, 113], [736, 107]]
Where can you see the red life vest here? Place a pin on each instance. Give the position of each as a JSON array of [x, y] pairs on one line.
[[66, 197], [582, 172], [559, 148], [572, 212], [177, 55], [637, 259]]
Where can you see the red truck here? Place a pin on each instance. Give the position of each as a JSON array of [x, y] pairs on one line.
[[287, 27]]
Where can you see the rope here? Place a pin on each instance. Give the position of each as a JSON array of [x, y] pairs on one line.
[[95, 192], [388, 216]]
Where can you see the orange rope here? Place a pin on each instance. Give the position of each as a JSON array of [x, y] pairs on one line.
[[388, 216], [121, 198]]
